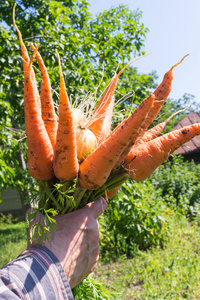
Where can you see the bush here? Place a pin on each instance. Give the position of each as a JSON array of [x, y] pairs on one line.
[[138, 216], [178, 184], [134, 220]]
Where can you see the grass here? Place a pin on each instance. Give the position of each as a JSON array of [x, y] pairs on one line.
[[169, 273], [13, 240]]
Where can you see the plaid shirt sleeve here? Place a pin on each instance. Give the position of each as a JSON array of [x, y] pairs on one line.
[[35, 274]]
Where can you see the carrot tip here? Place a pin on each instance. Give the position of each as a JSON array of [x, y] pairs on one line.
[[32, 58], [59, 62], [120, 72], [62, 82], [14, 23], [178, 62]]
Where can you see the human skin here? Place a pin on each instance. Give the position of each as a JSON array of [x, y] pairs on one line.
[[76, 241]]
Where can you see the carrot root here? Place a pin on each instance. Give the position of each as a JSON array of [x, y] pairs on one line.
[[153, 153], [47, 105], [40, 151], [65, 161]]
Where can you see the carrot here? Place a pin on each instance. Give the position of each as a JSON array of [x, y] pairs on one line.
[[25, 57], [48, 111], [96, 168], [131, 142], [40, 151], [155, 131], [112, 192], [153, 153], [161, 94], [65, 157], [96, 122], [104, 108], [106, 125]]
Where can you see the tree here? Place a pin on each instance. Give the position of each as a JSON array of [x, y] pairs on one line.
[[87, 45]]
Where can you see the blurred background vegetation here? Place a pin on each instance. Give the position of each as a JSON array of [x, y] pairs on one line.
[[145, 220]]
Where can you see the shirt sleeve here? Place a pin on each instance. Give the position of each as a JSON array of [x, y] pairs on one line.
[[35, 274]]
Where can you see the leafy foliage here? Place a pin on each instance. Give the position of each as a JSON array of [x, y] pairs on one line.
[[90, 289], [178, 185], [137, 215], [134, 220]]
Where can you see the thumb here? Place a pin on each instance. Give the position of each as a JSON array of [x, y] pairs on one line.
[[97, 207]]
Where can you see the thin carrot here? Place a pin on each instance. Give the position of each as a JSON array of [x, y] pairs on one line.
[[96, 168], [153, 153], [112, 192], [106, 125], [161, 94], [25, 57], [65, 157], [47, 105], [40, 150], [132, 141], [155, 131], [96, 122]]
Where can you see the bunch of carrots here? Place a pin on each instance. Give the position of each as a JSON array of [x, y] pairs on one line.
[[85, 158]]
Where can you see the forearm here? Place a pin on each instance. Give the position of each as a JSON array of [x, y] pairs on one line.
[[35, 274]]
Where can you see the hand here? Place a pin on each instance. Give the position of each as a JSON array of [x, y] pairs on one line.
[[76, 241]]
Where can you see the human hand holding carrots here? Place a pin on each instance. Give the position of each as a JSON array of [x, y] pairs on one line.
[[76, 240]]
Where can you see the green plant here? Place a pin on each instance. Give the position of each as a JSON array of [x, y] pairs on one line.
[[7, 219], [134, 220], [13, 239], [169, 273], [178, 184], [90, 289]]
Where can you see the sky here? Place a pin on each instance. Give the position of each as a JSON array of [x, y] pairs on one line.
[[174, 31]]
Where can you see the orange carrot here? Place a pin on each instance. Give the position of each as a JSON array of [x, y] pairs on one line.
[[40, 151], [96, 168], [48, 111], [106, 125], [161, 94], [112, 192], [25, 57], [155, 131], [96, 122], [131, 142], [153, 153], [65, 156]]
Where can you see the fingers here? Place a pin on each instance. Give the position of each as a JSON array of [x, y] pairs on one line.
[[97, 207]]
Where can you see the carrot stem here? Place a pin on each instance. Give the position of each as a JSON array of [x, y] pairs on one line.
[[114, 180]]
